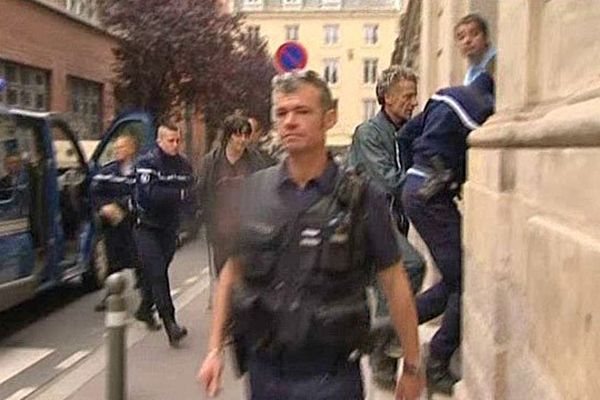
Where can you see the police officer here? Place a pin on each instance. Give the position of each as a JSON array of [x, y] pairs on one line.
[[111, 191], [163, 180], [428, 198], [376, 152], [295, 289]]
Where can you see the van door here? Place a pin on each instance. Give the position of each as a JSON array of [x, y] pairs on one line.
[[72, 175], [17, 280]]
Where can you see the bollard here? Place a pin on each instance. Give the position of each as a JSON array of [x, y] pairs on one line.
[[115, 321]]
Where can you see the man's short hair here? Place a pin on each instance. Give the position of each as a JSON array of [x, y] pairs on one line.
[[477, 19], [389, 77], [289, 82], [167, 127], [235, 123], [131, 137]]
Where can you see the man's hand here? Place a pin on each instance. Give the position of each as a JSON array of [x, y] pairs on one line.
[[409, 387], [112, 213], [210, 372]]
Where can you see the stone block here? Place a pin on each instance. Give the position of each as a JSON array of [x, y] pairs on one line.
[[562, 291]]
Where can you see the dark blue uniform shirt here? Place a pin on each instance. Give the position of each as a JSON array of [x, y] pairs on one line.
[[162, 188], [382, 247]]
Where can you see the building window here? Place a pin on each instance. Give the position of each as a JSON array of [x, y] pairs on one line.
[[371, 33], [83, 8], [332, 34], [26, 87], [292, 32], [331, 71], [331, 4], [85, 107], [252, 4], [292, 4], [370, 71], [254, 31], [369, 108]]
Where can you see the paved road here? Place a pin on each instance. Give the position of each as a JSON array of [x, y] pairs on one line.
[[51, 348], [52, 334]]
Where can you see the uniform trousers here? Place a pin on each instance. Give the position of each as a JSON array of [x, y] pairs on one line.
[[156, 248], [438, 222], [315, 380]]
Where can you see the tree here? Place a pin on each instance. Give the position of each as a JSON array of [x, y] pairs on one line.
[[176, 51]]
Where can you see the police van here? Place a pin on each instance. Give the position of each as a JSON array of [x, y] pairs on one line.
[[47, 233]]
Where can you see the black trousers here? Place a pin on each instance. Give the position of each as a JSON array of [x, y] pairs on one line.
[[156, 248]]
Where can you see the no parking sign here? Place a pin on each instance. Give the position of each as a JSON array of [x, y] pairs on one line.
[[290, 56]]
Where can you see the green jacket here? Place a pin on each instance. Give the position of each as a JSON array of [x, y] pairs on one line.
[[374, 152]]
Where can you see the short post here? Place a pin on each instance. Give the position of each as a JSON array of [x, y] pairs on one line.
[[115, 321]]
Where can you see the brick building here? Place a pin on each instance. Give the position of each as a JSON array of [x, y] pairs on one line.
[[55, 57]]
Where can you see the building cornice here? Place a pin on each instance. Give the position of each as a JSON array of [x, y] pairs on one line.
[[321, 14], [65, 13]]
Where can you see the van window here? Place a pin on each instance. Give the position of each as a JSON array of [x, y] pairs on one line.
[[14, 164], [134, 129]]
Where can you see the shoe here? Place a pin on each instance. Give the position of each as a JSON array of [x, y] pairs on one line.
[[383, 370], [174, 332], [100, 307], [149, 319], [439, 377]]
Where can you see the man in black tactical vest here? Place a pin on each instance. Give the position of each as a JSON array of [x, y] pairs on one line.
[[294, 286]]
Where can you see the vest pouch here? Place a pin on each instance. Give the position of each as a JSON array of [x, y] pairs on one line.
[[335, 253], [345, 324], [251, 319], [260, 246], [258, 267]]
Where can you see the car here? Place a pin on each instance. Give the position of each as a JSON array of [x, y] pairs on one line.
[[47, 229]]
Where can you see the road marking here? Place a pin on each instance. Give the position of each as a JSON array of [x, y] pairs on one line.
[[67, 363], [15, 360], [71, 381], [191, 280], [175, 292], [21, 393]]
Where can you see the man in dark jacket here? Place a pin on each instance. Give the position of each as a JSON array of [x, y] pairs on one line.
[[376, 154], [431, 185], [220, 175], [163, 180]]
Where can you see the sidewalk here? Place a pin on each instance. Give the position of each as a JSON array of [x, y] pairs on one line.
[[156, 371]]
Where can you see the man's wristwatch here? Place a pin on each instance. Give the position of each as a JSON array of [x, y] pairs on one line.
[[411, 369]]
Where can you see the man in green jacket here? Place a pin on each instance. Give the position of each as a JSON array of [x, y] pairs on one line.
[[375, 152]]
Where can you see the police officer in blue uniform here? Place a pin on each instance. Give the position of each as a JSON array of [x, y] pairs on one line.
[[163, 181], [295, 287], [111, 191], [432, 184]]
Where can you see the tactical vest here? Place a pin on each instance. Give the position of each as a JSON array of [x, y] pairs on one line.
[[304, 274]]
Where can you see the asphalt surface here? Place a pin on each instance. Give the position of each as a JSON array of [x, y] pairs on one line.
[[52, 334]]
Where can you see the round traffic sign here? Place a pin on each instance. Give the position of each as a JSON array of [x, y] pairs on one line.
[[290, 56]]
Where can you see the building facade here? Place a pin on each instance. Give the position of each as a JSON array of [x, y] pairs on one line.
[[531, 209], [55, 57], [349, 42]]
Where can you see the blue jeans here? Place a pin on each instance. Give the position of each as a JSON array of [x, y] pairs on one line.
[[439, 223]]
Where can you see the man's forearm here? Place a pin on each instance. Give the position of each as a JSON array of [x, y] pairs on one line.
[[395, 285], [222, 306]]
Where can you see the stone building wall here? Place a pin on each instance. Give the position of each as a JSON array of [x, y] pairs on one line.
[[531, 228]]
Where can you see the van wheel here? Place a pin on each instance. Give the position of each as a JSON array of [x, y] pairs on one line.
[[98, 272]]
